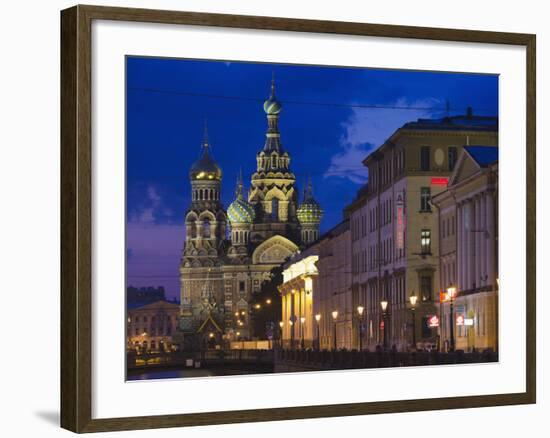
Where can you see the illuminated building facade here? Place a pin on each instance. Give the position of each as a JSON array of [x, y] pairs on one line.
[[395, 230], [316, 293], [220, 272], [151, 327], [469, 255]]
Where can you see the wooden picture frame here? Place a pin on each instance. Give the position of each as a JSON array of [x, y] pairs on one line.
[[76, 217]]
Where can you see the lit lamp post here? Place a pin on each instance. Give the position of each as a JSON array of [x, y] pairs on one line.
[[318, 319], [334, 318], [384, 305], [281, 325], [413, 299], [360, 311], [451, 293], [302, 321]]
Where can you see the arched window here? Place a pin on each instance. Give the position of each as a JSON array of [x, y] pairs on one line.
[[192, 228], [206, 229], [275, 209]]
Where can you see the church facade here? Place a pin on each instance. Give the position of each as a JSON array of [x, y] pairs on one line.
[[228, 254]]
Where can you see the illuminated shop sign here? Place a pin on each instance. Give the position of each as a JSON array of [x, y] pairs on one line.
[[433, 321], [440, 181]]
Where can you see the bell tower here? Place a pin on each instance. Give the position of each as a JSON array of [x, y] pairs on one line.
[[272, 192]]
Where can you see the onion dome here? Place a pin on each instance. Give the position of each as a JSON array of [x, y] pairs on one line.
[[205, 168], [309, 211], [272, 106], [240, 211]]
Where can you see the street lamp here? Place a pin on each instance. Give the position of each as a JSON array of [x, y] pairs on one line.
[[413, 299], [384, 305], [334, 318], [451, 293], [360, 310], [318, 319], [302, 321]]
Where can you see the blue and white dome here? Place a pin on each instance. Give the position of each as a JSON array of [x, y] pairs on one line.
[[309, 211], [240, 211]]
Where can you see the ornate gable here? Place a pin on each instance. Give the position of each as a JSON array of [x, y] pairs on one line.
[[274, 250]]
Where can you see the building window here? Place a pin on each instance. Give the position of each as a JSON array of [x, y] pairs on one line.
[[453, 154], [425, 158], [241, 286], [206, 229], [425, 241], [426, 287], [425, 196], [275, 209]]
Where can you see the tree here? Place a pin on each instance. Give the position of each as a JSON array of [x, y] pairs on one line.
[[266, 306]]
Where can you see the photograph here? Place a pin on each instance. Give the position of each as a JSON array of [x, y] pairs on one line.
[[288, 218]]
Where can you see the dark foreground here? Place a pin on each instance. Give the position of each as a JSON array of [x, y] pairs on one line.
[[241, 362]]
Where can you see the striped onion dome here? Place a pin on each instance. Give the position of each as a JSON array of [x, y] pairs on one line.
[[240, 211], [309, 211], [272, 106]]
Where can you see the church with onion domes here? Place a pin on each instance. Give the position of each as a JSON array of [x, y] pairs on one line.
[[229, 253]]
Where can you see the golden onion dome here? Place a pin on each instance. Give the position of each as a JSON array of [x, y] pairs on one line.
[[205, 168]]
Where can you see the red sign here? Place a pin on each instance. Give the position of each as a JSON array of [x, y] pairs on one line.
[[400, 226], [381, 324], [459, 319], [433, 321], [440, 181], [400, 235]]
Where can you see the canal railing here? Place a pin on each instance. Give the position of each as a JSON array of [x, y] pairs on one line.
[[303, 360]]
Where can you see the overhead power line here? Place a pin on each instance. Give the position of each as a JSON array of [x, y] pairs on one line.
[[443, 109]]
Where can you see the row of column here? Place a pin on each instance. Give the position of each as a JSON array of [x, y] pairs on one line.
[[295, 306], [205, 195], [476, 241]]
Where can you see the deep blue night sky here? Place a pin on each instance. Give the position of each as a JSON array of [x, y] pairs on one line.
[[323, 126]]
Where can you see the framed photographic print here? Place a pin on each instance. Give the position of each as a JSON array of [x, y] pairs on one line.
[[294, 205]]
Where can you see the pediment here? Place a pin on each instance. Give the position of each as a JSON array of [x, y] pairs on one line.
[[465, 168]]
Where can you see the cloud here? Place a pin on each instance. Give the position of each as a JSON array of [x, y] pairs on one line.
[[348, 163], [367, 128], [151, 209]]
